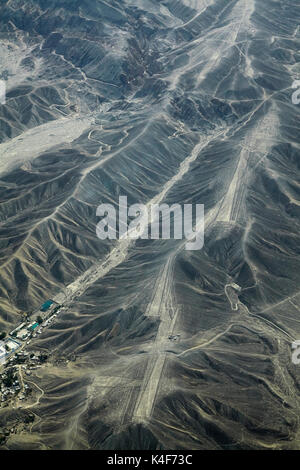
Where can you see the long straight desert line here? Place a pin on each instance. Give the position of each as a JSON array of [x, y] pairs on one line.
[[146, 399], [120, 252]]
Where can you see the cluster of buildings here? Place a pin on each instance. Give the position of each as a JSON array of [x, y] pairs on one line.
[[10, 386], [7, 347], [21, 362], [28, 329], [23, 331]]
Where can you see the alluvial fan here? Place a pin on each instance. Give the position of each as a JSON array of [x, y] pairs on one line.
[[152, 346]]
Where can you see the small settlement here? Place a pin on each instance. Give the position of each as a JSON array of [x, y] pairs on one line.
[[13, 356]]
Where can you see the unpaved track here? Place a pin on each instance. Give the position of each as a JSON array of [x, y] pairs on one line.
[[161, 306]]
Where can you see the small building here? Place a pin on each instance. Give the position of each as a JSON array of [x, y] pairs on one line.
[[33, 326], [45, 307], [2, 352], [14, 332], [173, 337], [22, 334]]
